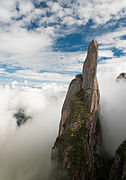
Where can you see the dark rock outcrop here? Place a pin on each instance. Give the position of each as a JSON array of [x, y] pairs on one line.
[[76, 154], [121, 77], [21, 117], [118, 169]]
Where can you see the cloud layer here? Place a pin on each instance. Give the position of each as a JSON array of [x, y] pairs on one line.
[[25, 150], [113, 113]]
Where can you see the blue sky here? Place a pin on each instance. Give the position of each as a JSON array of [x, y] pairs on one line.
[[46, 40]]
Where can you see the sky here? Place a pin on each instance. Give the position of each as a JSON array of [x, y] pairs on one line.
[[46, 41]]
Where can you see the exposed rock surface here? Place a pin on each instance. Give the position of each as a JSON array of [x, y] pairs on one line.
[[122, 76], [118, 169], [76, 154]]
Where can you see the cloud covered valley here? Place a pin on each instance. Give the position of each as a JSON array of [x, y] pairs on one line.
[[25, 150]]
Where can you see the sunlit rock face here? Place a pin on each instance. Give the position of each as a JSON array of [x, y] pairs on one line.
[[76, 154], [21, 117]]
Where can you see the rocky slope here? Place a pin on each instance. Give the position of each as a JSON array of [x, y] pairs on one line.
[[76, 154]]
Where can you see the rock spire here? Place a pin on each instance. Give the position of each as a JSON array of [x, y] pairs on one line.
[[76, 152]]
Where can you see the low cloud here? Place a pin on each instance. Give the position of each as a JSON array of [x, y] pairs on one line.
[[25, 151], [113, 114]]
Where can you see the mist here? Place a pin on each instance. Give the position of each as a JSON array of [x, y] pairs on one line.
[[112, 113], [25, 150]]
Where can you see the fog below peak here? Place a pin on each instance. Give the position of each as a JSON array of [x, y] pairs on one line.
[[25, 150], [113, 113]]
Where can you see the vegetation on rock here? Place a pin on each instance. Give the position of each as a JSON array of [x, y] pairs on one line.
[[74, 135]]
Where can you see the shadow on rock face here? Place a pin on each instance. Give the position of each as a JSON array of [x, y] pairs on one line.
[[21, 117]]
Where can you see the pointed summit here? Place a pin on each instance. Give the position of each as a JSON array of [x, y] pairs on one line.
[[90, 85], [90, 66]]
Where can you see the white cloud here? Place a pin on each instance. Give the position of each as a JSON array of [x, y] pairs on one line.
[[105, 53], [80, 11], [61, 67], [7, 10], [14, 36], [113, 113], [112, 39], [100, 11], [21, 41], [55, 7], [51, 61], [110, 69], [22, 147], [33, 49], [45, 76], [25, 7]]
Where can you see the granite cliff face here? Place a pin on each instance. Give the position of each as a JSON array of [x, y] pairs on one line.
[[76, 154]]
